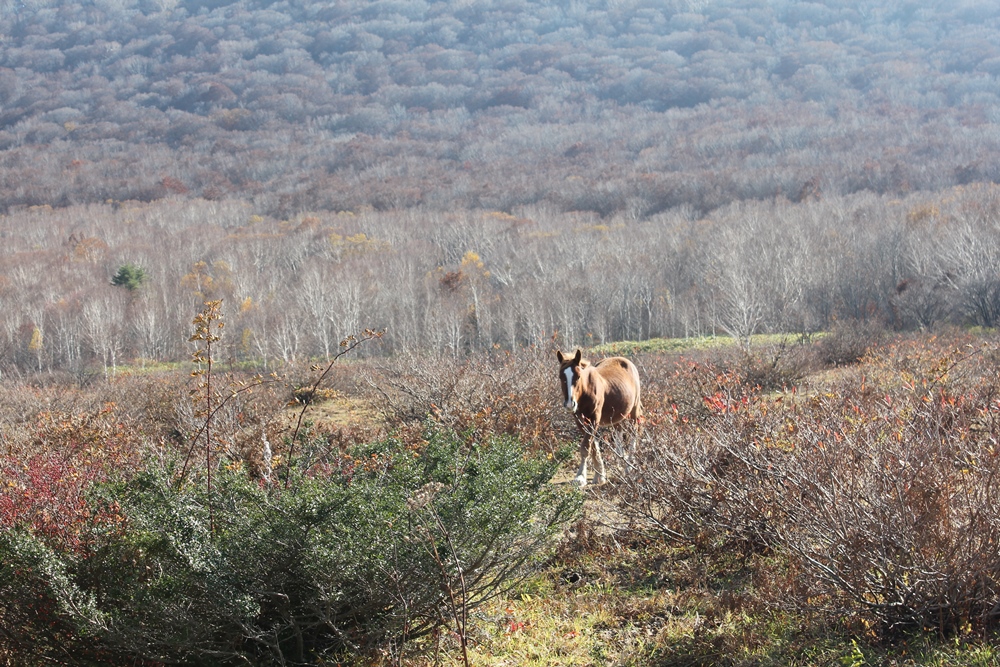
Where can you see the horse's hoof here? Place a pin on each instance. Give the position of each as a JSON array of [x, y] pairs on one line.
[[601, 479], [580, 481]]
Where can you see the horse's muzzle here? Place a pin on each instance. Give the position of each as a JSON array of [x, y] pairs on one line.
[[571, 405]]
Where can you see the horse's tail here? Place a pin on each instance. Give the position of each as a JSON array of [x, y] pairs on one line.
[[637, 411]]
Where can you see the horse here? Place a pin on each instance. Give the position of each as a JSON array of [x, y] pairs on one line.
[[601, 394]]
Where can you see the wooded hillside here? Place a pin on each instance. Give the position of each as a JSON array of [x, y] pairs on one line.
[[632, 106]]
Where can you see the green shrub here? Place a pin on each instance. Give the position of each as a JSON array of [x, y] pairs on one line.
[[130, 276], [382, 545]]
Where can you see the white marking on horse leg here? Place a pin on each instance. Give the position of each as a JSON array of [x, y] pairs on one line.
[[581, 472], [568, 401]]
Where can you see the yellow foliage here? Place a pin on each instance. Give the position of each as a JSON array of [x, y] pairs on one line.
[[357, 244], [471, 260], [90, 249], [222, 267], [207, 281], [36, 343], [245, 340], [198, 279], [246, 305], [923, 214]]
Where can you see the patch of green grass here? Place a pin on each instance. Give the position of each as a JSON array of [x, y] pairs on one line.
[[150, 366], [666, 345]]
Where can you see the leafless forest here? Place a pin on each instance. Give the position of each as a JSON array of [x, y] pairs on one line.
[[487, 174]]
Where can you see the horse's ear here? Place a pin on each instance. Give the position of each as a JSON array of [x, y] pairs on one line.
[[577, 356], [560, 356]]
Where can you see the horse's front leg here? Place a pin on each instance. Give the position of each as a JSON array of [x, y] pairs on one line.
[[581, 472], [590, 443]]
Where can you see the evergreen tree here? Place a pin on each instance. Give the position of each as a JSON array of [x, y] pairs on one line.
[[129, 276]]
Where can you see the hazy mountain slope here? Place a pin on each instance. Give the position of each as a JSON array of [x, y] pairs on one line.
[[625, 106]]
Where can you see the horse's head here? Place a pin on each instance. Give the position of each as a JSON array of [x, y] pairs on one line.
[[569, 377]]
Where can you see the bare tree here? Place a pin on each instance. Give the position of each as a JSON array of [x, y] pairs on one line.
[[103, 324]]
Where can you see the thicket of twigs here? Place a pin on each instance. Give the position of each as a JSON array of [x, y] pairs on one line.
[[878, 484]]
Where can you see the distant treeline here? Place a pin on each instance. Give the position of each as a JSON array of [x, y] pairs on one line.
[[617, 107], [465, 281]]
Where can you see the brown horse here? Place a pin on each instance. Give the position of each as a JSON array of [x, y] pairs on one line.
[[601, 394]]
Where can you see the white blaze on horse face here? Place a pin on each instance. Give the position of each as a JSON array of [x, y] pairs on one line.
[[569, 403]]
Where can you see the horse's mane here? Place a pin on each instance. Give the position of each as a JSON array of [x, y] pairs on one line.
[[584, 363]]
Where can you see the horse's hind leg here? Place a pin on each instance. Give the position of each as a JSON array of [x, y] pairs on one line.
[[600, 476], [635, 419]]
